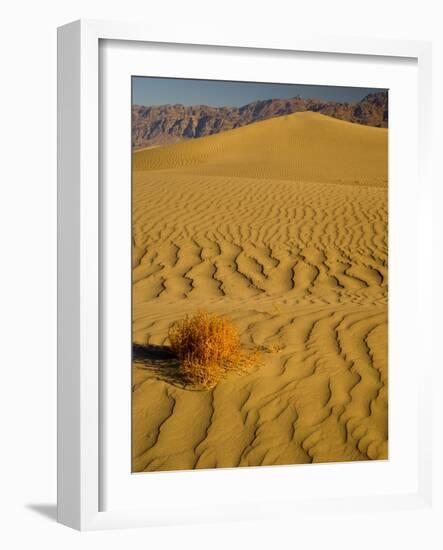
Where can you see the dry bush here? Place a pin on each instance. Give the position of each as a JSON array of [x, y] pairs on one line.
[[208, 347]]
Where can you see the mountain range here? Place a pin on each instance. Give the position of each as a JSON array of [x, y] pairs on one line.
[[163, 124]]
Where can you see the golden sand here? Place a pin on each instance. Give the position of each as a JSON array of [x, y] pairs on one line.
[[282, 226]]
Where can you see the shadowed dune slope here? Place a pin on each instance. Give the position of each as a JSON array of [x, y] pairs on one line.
[[302, 146], [282, 226]]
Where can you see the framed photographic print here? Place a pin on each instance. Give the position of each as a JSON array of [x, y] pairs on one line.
[[230, 217]]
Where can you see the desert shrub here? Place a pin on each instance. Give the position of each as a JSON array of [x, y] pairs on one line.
[[208, 348]]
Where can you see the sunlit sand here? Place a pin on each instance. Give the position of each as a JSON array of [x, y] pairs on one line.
[[281, 226]]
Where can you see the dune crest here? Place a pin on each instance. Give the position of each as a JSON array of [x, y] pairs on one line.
[[162, 124], [299, 147], [282, 226]]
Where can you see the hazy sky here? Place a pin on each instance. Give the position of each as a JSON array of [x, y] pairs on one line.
[[159, 91]]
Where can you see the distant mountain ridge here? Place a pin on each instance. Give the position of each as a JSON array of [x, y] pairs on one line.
[[163, 124]]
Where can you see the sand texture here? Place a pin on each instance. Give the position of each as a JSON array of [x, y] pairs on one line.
[[282, 226]]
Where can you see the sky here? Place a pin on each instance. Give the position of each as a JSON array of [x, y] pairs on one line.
[[160, 91]]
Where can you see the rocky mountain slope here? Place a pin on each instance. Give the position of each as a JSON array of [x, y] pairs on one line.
[[162, 124]]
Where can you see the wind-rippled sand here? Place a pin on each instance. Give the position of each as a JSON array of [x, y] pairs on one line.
[[282, 226]]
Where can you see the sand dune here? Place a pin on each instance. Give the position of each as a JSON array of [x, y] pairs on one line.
[[303, 147], [282, 226]]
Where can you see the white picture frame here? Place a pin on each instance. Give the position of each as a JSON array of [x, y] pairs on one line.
[[80, 262]]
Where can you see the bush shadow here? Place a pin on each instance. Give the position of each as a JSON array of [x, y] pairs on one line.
[[161, 361]]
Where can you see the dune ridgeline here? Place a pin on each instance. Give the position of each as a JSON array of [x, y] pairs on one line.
[[281, 225]]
